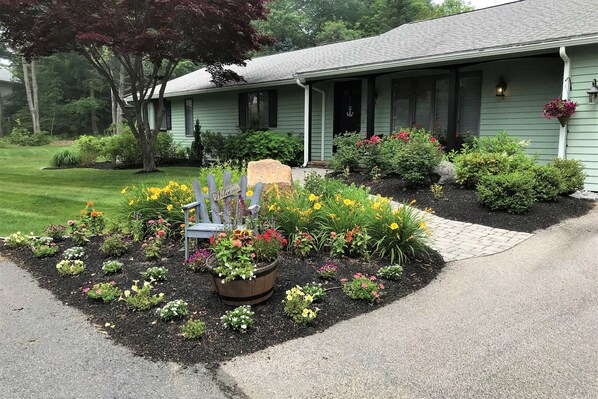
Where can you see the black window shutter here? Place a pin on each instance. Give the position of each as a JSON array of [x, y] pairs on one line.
[[242, 110], [272, 108], [167, 105]]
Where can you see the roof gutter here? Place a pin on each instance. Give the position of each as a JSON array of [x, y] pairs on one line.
[[248, 86], [305, 123], [562, 152], [448, 57]]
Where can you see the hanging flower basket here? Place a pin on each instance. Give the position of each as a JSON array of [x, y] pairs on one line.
[[559, 109]]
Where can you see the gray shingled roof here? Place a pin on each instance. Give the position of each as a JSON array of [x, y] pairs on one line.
[[521, 23]]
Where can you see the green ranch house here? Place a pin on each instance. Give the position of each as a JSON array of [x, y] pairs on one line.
[[479, 72]]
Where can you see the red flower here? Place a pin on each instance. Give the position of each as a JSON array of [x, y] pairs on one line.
[[432, 139]]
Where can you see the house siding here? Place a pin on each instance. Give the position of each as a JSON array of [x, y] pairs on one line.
[[582, 137], [218, 112], [531, 83]]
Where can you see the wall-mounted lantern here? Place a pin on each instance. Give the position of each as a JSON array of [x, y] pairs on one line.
[[501, 87], [593, 92]]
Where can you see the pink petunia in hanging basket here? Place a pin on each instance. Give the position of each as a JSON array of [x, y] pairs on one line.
[[559, 109]]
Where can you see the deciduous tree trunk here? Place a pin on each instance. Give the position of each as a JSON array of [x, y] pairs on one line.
[[30, 81], [93, 114]]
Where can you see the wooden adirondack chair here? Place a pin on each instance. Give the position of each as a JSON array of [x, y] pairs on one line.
[[222, 214]]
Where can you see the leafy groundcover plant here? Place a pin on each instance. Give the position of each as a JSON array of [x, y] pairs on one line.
[[107, 292], [193, 329], [141, 298], [240, 319]]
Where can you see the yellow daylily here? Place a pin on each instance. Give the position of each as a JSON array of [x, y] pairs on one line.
[[312, 197], [169, 207], [317, 206], [394, 226], [204, 190], [249, 193], [131, 202]]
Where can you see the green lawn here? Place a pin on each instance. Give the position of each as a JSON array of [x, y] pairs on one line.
[[31, 198]]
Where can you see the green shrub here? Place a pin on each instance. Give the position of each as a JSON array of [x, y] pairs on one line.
[[193, 329], [66, 158], [121, 148], [22, 137], [112, 266], [166, 149], [412, 157], [513, 192], [491, 156], [90, 148], [501, 143], [348, 154], [253, 146], [393, 272], [549, 182], [115, 245], [572, 173], [470, 167]]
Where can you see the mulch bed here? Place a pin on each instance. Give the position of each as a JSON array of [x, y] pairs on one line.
[[146, 335], [462, 205]]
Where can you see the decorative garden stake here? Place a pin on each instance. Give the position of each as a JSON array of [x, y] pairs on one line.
[[559, 109]]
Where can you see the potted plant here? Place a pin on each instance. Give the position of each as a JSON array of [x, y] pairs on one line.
[[559, 109], [244, 265]]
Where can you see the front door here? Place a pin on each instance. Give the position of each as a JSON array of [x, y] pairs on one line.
[[347, 107]]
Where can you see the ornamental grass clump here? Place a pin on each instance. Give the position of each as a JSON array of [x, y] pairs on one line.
[[393, 272], [364, 287], [141, 298], [73, 253], [112, 266], [193, 329], [198, 260], [173, 310], [239, 319], [107, 292], [70, 267], [297, 305]]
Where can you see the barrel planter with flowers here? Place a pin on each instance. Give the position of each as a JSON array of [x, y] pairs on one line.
[[244, 265]]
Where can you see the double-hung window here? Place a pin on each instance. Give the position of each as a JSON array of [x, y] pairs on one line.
[[258, 110]]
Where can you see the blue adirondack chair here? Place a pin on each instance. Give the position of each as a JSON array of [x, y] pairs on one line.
[[223, 216]]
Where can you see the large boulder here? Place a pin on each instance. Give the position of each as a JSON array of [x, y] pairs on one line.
[[270, 172]]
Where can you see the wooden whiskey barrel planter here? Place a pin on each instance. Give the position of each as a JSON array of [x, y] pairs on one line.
[[246, 292]]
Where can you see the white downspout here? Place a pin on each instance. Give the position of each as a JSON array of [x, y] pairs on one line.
[[562, 152], [323, 121], [305, 124]]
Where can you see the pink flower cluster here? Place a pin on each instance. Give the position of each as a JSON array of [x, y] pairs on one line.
[[372, 141], [559, 108]]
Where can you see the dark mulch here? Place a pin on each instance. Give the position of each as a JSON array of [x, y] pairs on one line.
[[461, 204], [147, 336]]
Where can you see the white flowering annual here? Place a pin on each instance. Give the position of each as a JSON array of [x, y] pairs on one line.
[[240, 318], [173, 310], [73, 253]]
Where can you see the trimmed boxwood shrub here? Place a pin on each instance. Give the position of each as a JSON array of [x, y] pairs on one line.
[[548, 182], [513, 192], [90, 148], [572, 173], [471, 167]]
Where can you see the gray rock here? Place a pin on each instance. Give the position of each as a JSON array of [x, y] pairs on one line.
[[446, 171]]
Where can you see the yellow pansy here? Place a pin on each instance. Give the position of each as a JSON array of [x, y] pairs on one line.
[[394, 226], [317, 206]]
